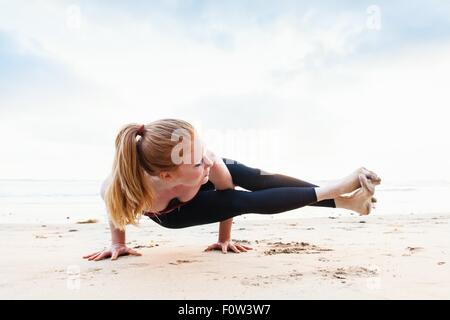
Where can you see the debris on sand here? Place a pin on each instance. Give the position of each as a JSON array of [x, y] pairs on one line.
[[294, 247], [87, 221]]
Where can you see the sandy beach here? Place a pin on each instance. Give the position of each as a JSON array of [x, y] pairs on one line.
[[335, 257]]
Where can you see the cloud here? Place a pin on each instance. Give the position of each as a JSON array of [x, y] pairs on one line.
[[338, 92]]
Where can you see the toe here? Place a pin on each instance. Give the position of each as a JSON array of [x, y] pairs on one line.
[[366, 184], [371, 175], [374, 177]]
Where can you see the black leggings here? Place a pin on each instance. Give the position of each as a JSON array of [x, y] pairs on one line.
[[268, 194]]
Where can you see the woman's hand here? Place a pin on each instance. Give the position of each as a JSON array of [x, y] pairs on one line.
[[116, 250], [225, 245]]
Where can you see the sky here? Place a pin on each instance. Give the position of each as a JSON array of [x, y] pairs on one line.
[[314, 89]]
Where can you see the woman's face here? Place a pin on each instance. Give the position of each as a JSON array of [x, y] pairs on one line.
[[196, 172]]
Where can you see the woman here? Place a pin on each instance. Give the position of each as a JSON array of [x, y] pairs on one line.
[[179, 183]]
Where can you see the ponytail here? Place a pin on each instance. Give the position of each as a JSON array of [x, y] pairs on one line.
[[128, 194]]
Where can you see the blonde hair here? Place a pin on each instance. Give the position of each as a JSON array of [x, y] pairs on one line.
[[128, 195]]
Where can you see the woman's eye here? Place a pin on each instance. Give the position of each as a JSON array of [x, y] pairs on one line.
[[198, 165]]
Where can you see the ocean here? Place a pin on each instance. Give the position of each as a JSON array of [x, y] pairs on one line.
[[69, 201]]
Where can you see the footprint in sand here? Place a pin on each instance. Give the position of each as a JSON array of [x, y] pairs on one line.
[[264, 280], [349, 272], [322, 259], [294, 247]]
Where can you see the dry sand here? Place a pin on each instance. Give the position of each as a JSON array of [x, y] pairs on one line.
[[375, 257]]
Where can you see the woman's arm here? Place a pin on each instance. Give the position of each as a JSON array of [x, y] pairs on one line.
[[225, 230], [117, 235], [118, 238], [220, 176]]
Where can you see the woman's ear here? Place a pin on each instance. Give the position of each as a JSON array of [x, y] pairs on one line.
[[166, 175]]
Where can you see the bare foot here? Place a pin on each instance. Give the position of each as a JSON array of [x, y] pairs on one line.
[[361, 200], [352, 181], [347, 196], [372, 176]]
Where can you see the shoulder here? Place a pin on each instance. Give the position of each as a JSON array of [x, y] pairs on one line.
[[219, 175]]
